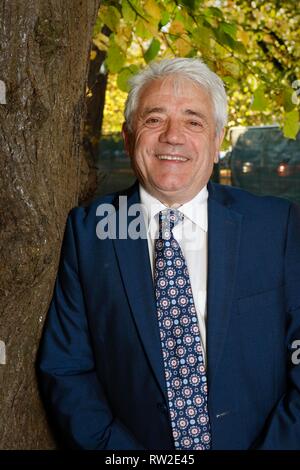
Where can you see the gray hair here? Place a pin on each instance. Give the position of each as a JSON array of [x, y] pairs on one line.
[[193, 69]]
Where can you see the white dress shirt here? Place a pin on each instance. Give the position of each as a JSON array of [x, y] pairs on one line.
[[191, 234]]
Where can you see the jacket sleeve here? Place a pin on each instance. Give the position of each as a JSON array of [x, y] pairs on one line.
[[69, 384], [282, 430]]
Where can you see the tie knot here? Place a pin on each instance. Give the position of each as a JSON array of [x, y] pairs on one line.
[[168, 218]]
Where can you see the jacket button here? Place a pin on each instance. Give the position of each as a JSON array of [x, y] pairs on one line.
[[222, 414]]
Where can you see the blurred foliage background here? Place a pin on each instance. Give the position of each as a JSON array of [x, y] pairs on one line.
[[253, 45]]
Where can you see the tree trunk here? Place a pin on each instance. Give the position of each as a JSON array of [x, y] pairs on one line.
[[95, 103], [44, 57], [92, 126], [97, 81]]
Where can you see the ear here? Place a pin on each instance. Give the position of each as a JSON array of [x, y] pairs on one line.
[[219, 140], [127, 137]]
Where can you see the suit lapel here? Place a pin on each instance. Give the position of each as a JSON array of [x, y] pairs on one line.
[[224, 226], [223, 244], [135, 269]]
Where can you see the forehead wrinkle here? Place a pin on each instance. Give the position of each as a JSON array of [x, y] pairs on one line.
[[153, 109], [179, 85], [177, 80]]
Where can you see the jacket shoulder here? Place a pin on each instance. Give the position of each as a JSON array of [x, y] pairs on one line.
[[243, 200], [87, 213]]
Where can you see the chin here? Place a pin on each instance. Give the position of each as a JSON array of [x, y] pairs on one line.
[[168, 189], [170, 185]]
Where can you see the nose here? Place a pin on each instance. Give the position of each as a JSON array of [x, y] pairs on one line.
[[172, 133]]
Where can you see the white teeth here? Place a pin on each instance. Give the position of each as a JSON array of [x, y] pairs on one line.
[[172, 157]]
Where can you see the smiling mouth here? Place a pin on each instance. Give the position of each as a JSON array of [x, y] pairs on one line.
[[172, 158]]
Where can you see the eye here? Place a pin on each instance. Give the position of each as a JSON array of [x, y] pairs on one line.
[[195, 125], [150, 120], [153, 121]]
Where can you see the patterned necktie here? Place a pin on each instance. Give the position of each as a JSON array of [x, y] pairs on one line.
[[180, 339]]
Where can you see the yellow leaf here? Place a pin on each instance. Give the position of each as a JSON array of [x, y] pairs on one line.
[[142, 30], [123, 36], [100, 45], [152, 9], [153, 29], [183, 46], [93, 55], [232, 67], [243, 36], [268, 38], [101, 41], [201, 36], [177, 28]]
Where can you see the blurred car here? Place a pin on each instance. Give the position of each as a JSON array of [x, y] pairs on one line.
[[264, 162], [113, 165]]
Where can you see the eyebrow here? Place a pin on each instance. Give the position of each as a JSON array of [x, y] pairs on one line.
[[159, 109], [155, 109], [191, 112]]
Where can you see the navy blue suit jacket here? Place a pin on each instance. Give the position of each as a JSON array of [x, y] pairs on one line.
[[100, 359]]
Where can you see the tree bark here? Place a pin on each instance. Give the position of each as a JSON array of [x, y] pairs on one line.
[[44, 57], [92, 126], [97, 82]]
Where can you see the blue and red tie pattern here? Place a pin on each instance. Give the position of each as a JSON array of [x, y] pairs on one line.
[[180, 338]]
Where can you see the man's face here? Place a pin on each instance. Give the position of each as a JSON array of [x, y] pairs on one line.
[[173, 144]]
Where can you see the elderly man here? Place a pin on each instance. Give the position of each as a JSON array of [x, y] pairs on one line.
[[176, 329]]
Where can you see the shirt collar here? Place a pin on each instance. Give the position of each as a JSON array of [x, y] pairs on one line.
[[195, 210]]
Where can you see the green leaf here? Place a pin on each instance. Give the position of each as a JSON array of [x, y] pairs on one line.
[[165, 18], [193, 53], [141, 29], [115, 58], [287, 99], [260, 102], [138, 7], [191, 4], [229, 28], [223, 38], [111, 17], [213, 11], [125, 75], [291, 124], [97, 26], [128, 13], [152, 50], [228, 80], [239, 47], [201, 35]]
